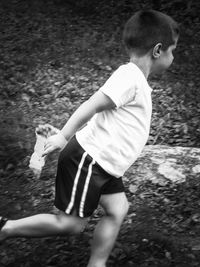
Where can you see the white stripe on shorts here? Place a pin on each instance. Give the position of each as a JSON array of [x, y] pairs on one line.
[[82, 203], [71, 203]]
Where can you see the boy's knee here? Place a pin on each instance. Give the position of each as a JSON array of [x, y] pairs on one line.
[[79, 226], [72, 223], [124, 209], [119, 212]]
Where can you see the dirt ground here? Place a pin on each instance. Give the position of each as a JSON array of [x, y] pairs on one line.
[[54, 56]]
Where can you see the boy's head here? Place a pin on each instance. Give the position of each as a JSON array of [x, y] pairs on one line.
[[145, 29]]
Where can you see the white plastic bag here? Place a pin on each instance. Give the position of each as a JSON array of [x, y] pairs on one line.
[[37, 162]]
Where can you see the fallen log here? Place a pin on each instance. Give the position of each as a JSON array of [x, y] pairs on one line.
[[163, 164]]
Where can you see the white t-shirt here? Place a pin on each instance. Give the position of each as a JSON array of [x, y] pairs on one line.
[[115, 138]]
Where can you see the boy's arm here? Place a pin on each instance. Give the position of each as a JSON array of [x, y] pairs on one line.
[[95, 104]]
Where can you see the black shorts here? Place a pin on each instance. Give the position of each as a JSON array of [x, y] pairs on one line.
[[80, 181]]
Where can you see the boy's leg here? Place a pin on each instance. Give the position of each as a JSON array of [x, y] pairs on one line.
[[42, 225], [105, 234]]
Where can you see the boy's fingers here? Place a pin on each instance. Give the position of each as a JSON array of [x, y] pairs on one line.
[[44, 154], [47, 151], [46, 145]]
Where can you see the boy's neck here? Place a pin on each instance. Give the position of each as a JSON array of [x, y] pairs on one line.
[[143, 62]]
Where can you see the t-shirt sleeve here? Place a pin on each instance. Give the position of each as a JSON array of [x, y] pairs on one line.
[[121, 86]]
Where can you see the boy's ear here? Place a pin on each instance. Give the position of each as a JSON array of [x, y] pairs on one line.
[[157, 50]]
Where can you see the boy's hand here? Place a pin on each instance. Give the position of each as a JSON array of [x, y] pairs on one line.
[[53, 143]]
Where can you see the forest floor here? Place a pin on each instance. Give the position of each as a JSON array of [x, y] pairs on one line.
[[53, 57]]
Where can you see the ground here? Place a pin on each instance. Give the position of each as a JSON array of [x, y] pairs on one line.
[[54, 55]]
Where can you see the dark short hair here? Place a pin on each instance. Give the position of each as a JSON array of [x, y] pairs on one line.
[[147, 28]]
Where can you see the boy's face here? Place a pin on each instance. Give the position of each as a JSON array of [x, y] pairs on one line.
[[166, 58]]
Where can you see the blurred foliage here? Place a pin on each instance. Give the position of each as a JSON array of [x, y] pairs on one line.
[[185, 11], [56, 53]]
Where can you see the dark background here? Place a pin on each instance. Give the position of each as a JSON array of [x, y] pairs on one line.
[[54, 55]]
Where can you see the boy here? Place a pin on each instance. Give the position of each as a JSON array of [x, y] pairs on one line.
[[102, 139]]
